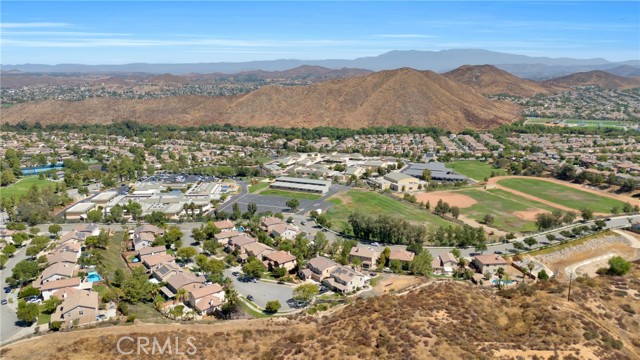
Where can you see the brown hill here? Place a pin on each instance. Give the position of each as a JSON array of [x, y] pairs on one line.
[[490, 80], [398, 97], [442, 320], [602, 79]]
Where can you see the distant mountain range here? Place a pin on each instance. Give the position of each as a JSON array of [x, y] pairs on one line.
[[538, 68]]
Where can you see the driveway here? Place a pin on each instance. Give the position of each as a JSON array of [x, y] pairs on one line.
[[262, 291]]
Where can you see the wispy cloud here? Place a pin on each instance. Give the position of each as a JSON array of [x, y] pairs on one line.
[[405, 36], [60, 33], [33, 25]]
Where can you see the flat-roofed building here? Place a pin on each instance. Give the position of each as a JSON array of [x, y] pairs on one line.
[[301, 185], [401, 182], [104, 197], [79, 211]]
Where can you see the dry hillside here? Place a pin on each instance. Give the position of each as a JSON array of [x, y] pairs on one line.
[[445, 320], [489, 80], [397, 97], [602, 79]]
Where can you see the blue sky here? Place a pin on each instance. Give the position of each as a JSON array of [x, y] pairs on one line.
[[160, 32]]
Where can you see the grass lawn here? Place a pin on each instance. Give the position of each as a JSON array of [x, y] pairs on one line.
[[111, 258], [22, 186], [501, 208], [42, 317], [374, 204], [290, 194], [258, 186], [562, 195], [520, 199], [147, 313], [100, 289], [475, 169], [250, 311]]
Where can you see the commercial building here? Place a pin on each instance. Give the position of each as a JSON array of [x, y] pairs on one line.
[[438, 170], [302, 185]]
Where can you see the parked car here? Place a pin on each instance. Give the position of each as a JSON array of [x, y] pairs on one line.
[[7, 289], [280, 282], [254, 280], [4, 302], [250, 297]]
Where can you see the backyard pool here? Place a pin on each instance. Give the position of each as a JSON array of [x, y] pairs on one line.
[[503, 282], [93, 277]]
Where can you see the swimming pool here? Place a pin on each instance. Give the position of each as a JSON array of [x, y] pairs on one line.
[[93, 276], [503, 282]]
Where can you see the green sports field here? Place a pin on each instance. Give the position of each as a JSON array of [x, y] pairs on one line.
[[18, 189], [562, 195], [475, 169], [503, 209], [374, 204]]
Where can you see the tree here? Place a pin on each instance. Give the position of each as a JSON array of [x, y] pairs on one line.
[[118, 278], [305, 292], [254, 268], [272, 306], [27, 312], [426, 175], [137, 288], [518, 245], [55, 325], [501, 274], [618, 266], [55, 229], [9, 250], [293, 204], [28, 291], [530, 267], [569, 217], [252, 208], [25, 270], [421, 264], [488, 219], [551, 237], [210, 246], [530, 241], [94, 216], [455, 212], [50, 305], [627, 208], [542, 275], [586, 214], [186, 253], [180, 295], [230, 301], [7, 177], [3, 260]]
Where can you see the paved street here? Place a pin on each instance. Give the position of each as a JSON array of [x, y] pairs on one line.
[[8, 320], [262, 291]]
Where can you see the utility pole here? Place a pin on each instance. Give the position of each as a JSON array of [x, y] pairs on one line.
[[570, 279]]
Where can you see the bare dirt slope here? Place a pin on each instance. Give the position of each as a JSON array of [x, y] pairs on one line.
[[444, 320], [397, 97], [602, 79], [489, 80]]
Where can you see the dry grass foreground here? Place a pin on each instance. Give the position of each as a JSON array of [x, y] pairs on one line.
[[442, 320], [396, 97]]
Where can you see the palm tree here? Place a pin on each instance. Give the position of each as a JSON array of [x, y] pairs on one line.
[[501, 273], [185, 207], [530, 266], [180, 295]]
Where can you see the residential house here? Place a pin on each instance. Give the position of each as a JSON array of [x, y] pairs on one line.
[[266, 222], [345, 280], [318, 268], [88, 229], [280, 259], [206, 300], [183, 280], [368, 256], [401, 255], [239, 242], [69, 257], [57, 271], [143, 240], [162, 272], [488, 263], [49, 288], [78, 308], [224, 236], [225, 225], [444, 264], [150, 261], [151, 250], [283, 230], [258, 250]]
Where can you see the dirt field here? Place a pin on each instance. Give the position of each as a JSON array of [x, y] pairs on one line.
[[529, 215], [460, 200], [391, 282], [588, 257]]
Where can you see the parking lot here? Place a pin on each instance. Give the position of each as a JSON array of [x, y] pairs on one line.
[[262, 291], [176, 178]]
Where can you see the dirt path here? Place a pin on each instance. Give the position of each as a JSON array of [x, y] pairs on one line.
[[622, 198]]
